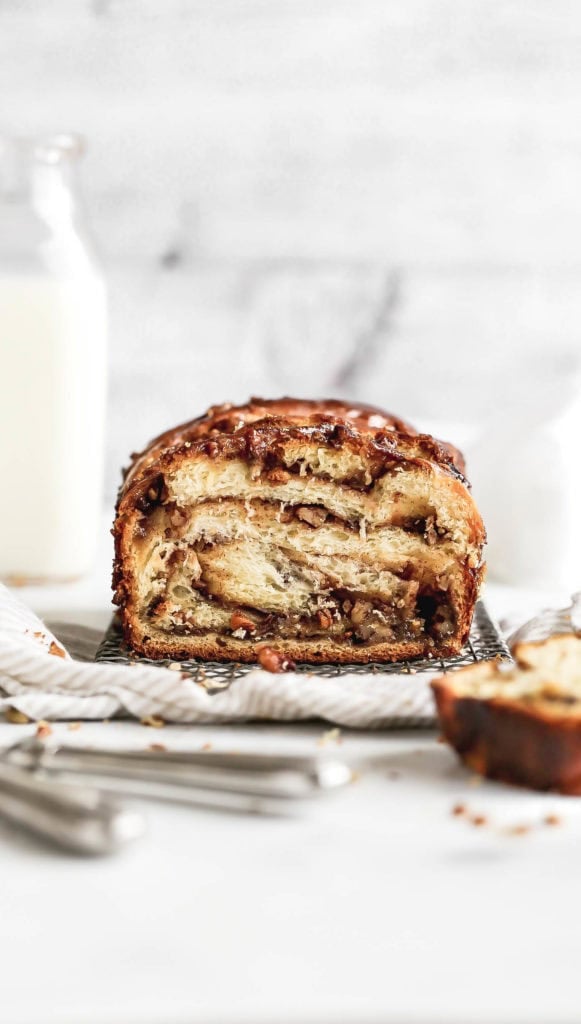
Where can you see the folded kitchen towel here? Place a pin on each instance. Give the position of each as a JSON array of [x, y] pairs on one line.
[[39, 677]]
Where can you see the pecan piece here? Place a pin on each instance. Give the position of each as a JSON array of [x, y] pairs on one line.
[[312, 515], [153, 721], [238, 620], [274, 661], [154, 493], [158, 607], [178, 516], [360, 612], [431, 533], [325, 618], [278, 476]]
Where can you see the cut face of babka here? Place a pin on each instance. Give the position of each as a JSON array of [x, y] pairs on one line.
[[329, 539]]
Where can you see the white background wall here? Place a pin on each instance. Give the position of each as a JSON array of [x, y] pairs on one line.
[[378, 196]]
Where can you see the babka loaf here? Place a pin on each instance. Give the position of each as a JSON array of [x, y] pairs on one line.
[[519, 723], [328, 532]]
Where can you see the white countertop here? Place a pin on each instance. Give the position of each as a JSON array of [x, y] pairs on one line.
[[375, 905]]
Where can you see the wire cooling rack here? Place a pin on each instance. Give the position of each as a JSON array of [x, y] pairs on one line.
[[485, 642]]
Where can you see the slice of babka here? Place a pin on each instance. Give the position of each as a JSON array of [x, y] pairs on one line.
[[519, 723]]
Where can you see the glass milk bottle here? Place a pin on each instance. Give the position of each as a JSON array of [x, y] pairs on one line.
[[52, 366]]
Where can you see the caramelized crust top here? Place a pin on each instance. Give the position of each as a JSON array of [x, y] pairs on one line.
[[310, 417]]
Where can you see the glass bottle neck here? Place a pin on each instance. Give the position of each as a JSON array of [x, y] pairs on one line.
[[41, 175], [42, 223]]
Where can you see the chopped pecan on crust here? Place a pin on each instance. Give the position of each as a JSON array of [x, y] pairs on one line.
[[257, 442], [228, 419]]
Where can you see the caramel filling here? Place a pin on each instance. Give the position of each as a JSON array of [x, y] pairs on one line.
[[259, 570]]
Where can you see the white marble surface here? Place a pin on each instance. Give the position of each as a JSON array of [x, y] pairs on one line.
[[231, 141], [376, 905]]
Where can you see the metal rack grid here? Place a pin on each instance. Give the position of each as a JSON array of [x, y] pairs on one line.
[[485, 642]]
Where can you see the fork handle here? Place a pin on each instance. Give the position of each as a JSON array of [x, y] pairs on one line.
[[78, 818]]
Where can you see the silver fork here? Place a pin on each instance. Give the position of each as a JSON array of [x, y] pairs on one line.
[[76, 817], [246, 782]]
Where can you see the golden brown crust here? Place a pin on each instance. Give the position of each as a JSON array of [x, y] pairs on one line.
[[214, 647], [234, 434], [517, 741]]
